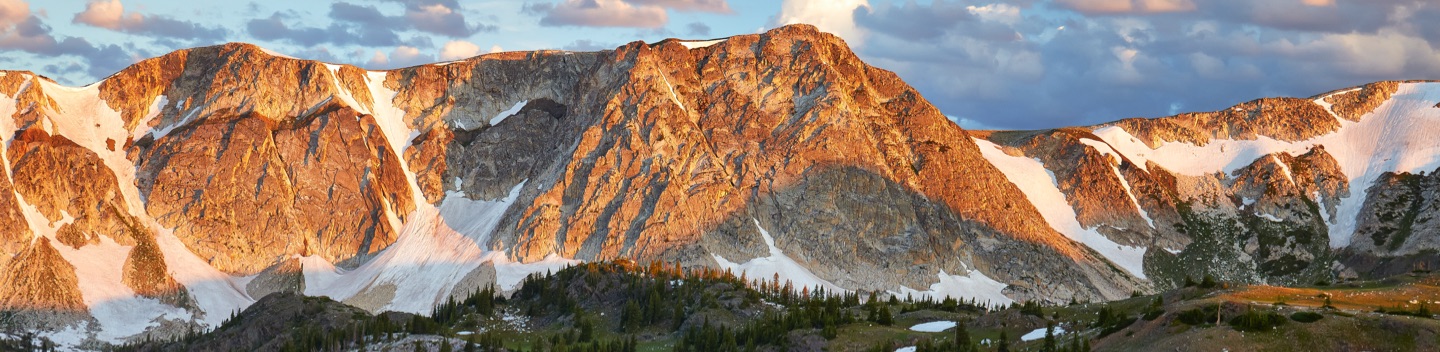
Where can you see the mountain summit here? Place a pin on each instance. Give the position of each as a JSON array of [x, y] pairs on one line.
[[188, 186]]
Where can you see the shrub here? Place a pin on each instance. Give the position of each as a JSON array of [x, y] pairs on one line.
[[1257, 321], [1306, 317], [1199, 316]]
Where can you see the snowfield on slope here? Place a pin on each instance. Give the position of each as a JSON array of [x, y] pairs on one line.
[[1043, 190], [1398, 136], [766, 268]]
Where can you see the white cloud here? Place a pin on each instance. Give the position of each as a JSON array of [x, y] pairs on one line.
[[834, 16], [13, 12], [109, 15], [458, 49], [379, 59], [402, 56], [496, 49], [405, 53], [1002, 13]]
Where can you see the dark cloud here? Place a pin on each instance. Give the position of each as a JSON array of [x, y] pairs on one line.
[[340, 32], [443, 17], [111, 15], [911, 20], [715, 6], [697, 29], [1014, 66], [598, 13], [587, 45], [367, 25]]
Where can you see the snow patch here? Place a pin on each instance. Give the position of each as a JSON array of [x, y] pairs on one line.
[[1040, 334], [1284, 169], [1396, 137], [427, 260], [934, 326], [1041, 188], [392, 122], [973, 285], [514, 109], [1109, 152], [1272, 218], [776, 263], [1329, 108], [275, 53], [701, 44], [344, 94], [673, 97], [509, 275], [161, 132], [144, 125]]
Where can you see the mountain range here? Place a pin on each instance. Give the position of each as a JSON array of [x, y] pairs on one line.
[[186, 187]]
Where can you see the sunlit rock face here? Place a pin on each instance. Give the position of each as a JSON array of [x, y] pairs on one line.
[[1275, 190], [189, 185]]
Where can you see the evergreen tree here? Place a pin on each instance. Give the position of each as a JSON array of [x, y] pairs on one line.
[[1049, 337], [1004, 344], [884, 317], [962, 338], [1208, 281]]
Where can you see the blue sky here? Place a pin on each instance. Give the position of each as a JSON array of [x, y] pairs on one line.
[[1018, 64]]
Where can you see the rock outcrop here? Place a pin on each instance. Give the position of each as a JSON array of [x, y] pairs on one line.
[[39, 279]]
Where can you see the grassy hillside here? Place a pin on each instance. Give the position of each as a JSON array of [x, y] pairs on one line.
[[623, 307]]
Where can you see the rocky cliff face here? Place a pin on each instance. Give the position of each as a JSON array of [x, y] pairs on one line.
[[206, 178], [1255, 192]]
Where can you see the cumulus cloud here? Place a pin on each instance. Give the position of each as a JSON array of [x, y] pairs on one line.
[[110, 14], [834, 16], [443, 17], [367, 25], [715, 6], [458, 49], [1127, 6], [13, 12], [401, 56], [599, 13], [587, 45], [277, 28], [1024, 66], [22, 30]]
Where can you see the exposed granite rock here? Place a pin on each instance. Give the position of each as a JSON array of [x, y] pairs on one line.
[[1286, 119], [1401, 216], [15, 238], [38, 279], [1286, 235], [285, 276], [1100, 184], [86, 192], [243, 192], [147, 273], [1353, 104], [31, 101]]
